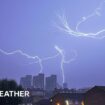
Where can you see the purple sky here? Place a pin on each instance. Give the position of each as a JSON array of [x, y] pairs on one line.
[[28, 25]]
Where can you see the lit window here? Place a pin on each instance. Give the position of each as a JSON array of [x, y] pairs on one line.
[[51, 100], [58, 103], [82, 103], [67, 102]]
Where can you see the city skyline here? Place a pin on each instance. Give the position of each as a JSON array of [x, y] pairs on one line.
[[40, 81]]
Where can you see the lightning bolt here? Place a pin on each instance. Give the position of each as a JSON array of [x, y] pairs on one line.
[[96, 12], [36, 58], [64, 26], [40, 60], [63, 60]]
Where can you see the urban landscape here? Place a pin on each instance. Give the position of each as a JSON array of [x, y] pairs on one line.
[[52, 52], [46, 91]]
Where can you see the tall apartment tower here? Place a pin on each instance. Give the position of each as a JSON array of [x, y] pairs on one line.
[[51, 82], [26, 82], [22, 82], [65, 85], [38, 81]]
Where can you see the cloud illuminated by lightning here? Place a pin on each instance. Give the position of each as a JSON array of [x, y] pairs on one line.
[[64, 26], [36, 58], [63, 60]]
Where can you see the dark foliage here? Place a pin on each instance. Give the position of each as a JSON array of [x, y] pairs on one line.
[[10, 85]]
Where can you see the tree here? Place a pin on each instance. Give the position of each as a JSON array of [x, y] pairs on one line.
[[8, 85]]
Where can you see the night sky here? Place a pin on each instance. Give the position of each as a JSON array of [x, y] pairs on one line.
[[29, 25]]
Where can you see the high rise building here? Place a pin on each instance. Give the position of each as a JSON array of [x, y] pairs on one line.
[[38, 81], [51, 83], [26, 82], [22, 82], [65, 85]]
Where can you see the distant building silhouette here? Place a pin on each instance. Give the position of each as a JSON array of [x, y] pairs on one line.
[[38, 81], [51, 83], [26, 82], [22, 82], [65, 85], [36, 95]]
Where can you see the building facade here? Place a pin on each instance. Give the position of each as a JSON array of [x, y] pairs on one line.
[[38, 81], [51, 83], [95, 96], [26, 82], [67, 99]]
